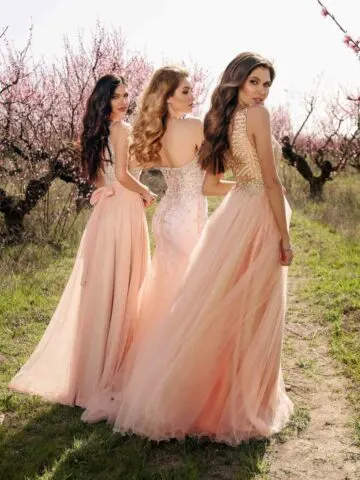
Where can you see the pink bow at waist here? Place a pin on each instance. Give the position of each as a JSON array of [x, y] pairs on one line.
[[101, 193]]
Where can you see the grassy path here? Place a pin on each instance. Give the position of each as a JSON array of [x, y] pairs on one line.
[[321, 327]]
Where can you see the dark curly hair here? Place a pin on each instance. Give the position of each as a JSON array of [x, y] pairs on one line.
[[96, 125], [224, 101]]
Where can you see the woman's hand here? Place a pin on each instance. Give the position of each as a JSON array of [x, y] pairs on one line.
[[149, 198], [286, 253]]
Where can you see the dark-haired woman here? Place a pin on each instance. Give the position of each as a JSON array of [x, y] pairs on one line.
[[91, 329], [212, 367]]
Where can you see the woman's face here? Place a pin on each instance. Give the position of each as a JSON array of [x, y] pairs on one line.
[[119, 102], [256, 87], [182, 100]]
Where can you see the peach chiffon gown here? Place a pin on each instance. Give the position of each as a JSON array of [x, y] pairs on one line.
[[177, 224], [212, 367], [91, 330]]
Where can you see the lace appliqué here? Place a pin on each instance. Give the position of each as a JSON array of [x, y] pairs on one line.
[[181, 214]]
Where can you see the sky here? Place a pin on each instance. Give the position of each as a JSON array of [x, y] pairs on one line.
[[307, 49]]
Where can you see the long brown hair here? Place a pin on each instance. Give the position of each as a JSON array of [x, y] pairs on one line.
[[150, 122], [96, 124], [224, 101]]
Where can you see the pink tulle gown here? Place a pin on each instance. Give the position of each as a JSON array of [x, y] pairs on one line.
[[177, 224], [91, 329], [212, 367]]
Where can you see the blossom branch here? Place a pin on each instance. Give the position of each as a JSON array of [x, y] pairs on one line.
[[348, 39]]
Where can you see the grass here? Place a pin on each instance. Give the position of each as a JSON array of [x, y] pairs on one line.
[[330, 264], [43, 441], [56, 445], [340, 210], [298, 422]]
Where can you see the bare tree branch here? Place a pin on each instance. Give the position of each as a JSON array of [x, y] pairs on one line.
[[19, 67], [311, 107], [3, 32], [348, 40]]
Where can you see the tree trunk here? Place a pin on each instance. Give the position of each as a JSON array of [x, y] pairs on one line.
[[302, 166], [14, 217], [317, 188], [14, 221], [15, 209]]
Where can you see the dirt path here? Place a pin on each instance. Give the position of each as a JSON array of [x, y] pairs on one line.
[[325, 449]]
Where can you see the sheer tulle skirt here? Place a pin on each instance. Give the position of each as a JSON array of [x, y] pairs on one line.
[[91, 330], [213, 366]]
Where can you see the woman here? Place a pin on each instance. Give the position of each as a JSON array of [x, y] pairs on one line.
[[166, 138], [212, 367], [91, 330]]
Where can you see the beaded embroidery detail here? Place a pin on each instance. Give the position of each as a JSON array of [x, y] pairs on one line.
[[243, 159], [182, 208]]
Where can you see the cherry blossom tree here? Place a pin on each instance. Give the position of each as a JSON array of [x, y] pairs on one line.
[[280, 122], [41, 108], [332, 145]]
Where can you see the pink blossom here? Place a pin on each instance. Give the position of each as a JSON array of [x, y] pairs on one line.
[[347, 40], [324, 12]]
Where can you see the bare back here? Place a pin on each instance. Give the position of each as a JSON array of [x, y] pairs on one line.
[[181, 142]]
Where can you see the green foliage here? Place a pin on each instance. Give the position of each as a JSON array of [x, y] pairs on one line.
[[340, 209]]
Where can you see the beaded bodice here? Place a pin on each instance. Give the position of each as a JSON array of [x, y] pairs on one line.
[[242, 158], [179, 217], [185, 181]]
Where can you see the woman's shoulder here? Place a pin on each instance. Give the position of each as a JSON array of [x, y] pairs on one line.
[[194, 129], [257, 112], [191, 122], [192, 119], [120, 128]]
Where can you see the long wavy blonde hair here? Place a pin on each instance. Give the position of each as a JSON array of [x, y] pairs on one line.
[[151, 119]]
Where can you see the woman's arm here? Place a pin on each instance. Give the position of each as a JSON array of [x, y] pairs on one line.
[[215, 185], [100, 178], [120, 141], [259, 130]]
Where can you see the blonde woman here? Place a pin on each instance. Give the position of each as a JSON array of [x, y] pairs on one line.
[[164, 136]]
